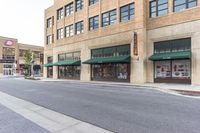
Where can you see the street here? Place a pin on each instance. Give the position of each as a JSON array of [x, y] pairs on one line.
[[115, 108]]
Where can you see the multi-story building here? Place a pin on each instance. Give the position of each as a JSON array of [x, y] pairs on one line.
[[134, 41], [11, 57]]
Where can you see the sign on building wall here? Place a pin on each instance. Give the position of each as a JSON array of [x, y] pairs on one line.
[[135, 47], [9, 43]]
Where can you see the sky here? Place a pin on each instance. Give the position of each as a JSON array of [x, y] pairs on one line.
[[23, 20]]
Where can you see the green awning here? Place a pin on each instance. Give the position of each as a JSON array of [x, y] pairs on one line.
[[171, 55], [115, 59], [68, 63], [48, 65]]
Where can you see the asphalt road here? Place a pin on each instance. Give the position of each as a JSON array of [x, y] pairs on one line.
[[116, 108]]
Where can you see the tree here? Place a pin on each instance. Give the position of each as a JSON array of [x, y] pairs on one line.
[[28, 58]]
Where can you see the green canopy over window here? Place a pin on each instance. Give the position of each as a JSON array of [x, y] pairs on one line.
[[48, 65], [171, 55], [68, 63], [114, 59]]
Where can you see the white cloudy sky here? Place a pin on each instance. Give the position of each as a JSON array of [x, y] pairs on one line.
[[23, 20]]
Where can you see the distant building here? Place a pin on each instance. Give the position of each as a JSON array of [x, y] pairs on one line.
[[11, 57], [123, 40]]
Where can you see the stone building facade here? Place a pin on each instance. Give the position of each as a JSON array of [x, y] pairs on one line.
[[134, 41]]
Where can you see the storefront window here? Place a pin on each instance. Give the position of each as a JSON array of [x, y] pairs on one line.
[[181, 69], [69, 72], [162, 69], [111, 72]]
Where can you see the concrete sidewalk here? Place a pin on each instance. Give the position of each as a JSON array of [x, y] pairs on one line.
[[48, 120], [11, 122], [162, 86]]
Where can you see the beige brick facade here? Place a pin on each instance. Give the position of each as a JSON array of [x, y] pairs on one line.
[[174, 25], [18, 56]]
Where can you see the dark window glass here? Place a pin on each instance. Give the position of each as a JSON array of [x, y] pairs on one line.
[[61, 57], [79, 5], [69, 9], [94, 23], [180, 5], [92, 2], [127, 12], [69, 30], [79, 27], [173, 45], [158, 8], [50, 59], [49, 39], [60, 34], [108, 18], [111, 51], [49, 22], [60, 13]]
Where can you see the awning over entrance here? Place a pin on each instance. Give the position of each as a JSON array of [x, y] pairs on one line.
[[68, 63], [115, 59], [48, 65], [171, 55]]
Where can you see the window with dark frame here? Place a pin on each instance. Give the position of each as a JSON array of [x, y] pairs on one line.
[[69, 9], [49, 39], [109, 18], [180, 5], [60, 13], [69, 56], [60, 34], [49, 22], [94, 23], [79, 5], [79, 27], [69, 30], [158, 8], [111, 51], [173, 46], [92, 2], [127, 12]]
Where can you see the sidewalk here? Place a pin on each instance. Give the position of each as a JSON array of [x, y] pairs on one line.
[[28, 113], [11, 122]]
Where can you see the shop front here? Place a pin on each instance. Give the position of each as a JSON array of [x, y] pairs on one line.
[[69, 66], [110, 64], [49, 67], [172, 61]]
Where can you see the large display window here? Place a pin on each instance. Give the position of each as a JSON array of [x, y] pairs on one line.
[[111, 72], [69, 72], [49, 72], [173, 71], [162, 69], [181, 69]]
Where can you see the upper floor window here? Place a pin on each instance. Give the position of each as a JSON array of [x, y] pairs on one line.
[[79, 5], [49, 39], [180, 5], [50, 59], [94, 23], [69, 9], [173, 45], [91, 2], [60, 13], [109, 18], [127, 12], [69, 30], [158, 8], [49, 22], [60, 33], [79, 27]]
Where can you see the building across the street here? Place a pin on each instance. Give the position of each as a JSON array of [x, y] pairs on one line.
[[11, 57], [134, 41]]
